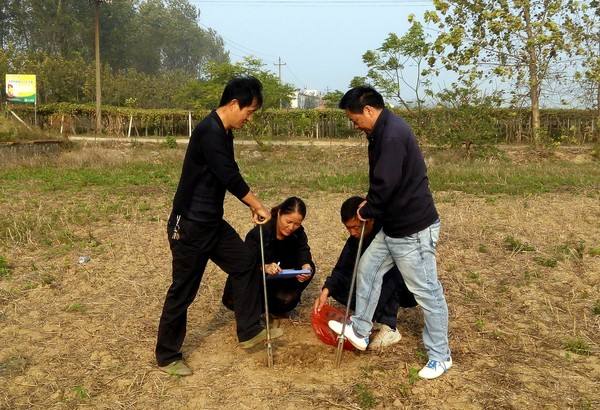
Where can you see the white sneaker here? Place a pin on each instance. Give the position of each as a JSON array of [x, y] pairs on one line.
[[434, 369], [385, 337], [360, 343]]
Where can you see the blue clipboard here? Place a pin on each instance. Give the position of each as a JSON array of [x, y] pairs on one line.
[[288, 273]]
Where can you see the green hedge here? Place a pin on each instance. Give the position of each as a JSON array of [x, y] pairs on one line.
[[440, 126]]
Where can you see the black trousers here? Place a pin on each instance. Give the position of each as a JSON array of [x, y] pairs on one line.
[[283, 294], [393, 295], [197, 244]]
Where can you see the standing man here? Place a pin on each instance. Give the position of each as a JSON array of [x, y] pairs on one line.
[[197, 231], [398, 197], [393, 290]]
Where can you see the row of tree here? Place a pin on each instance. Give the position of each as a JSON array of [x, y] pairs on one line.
[[532, 46], [154, 53]]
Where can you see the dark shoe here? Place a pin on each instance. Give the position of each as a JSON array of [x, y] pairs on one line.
[[176, 368], [261, 337]]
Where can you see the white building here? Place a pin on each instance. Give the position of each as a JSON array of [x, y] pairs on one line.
[[305, 99]]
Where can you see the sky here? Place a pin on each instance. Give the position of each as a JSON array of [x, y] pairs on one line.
[[321, 41]]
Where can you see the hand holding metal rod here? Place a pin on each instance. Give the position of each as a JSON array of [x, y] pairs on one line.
[[264, 277], [342, 337]]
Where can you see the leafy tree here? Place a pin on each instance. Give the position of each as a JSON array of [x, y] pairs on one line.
[[388, 65], [589, 74], [520, 40], [332, 98], [205, 93]]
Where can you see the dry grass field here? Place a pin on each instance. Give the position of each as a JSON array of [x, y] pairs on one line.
[[519, 258]]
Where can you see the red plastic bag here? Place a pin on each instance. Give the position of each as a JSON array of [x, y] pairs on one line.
[[319, 324]]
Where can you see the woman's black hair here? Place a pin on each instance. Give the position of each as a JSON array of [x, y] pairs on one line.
[[289, 206]]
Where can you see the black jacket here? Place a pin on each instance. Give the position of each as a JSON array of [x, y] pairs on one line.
[[341, 275], [292, 252], [209, 169], [399, 193]]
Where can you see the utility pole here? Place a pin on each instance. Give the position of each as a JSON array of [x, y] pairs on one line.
[[97, 44], [98, 88], [279, 64]]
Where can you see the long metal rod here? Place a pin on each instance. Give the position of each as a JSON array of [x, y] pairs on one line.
[[264, 276], [342, 337]]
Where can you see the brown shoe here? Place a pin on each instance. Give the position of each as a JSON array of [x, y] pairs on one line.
[[176, 368], [261, 336]]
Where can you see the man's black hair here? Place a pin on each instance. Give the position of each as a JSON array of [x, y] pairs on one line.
[[349, 208], [244, 89], [357, 98]]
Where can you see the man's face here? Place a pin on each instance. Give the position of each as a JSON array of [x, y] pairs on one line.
[[353, 226], [365, 120], [241, 116]]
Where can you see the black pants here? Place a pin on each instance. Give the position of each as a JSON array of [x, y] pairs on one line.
[[394, 294], [283, 294], [197, 244]]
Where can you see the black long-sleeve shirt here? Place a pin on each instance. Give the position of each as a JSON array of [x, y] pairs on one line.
[[399, 194], [292, 252], [341, 275], [209, 169]]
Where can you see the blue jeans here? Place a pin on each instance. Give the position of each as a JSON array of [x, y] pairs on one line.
[[414, 255]]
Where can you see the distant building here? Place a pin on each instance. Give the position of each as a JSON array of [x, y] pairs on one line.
[[305, 99]]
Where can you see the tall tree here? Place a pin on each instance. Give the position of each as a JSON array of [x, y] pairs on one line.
[[519, 40], [400, 63]]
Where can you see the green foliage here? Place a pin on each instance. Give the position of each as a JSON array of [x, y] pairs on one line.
[[148, 35], [171, 142], [596, 308], [547, 262], [577, 345], [4, 268], [81, 392], [515, 245], [388, 65], [520, 41], [413, 375], [332, 98], [366, 399]]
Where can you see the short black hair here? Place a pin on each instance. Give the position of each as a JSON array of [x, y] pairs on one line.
[[357, 98], [349, 208], [245, 89]]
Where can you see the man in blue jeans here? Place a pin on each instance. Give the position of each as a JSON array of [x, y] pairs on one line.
[[398, 197]]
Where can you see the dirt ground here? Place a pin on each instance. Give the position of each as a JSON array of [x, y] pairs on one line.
[[82, 335]]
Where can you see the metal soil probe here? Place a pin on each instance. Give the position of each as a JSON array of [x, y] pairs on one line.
[[342, 337], [264, 276]]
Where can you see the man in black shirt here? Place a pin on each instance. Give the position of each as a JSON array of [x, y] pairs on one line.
[[398, 197], [393, 290], [197, 231]]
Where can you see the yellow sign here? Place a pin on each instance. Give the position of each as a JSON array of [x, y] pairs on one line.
[[21, 88]]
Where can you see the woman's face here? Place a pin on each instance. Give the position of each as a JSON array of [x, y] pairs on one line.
[[288, 223]]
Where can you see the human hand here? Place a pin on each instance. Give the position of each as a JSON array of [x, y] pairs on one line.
[[360, 218], [260, 215], [305, 276], [321, 300], [272, 269]]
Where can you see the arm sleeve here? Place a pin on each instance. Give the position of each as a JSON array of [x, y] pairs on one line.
[[221, 162], [342, 269], [385, 179], [253, 243], [304, 255]]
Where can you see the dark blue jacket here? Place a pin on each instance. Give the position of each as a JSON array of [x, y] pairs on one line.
[[399, 194]]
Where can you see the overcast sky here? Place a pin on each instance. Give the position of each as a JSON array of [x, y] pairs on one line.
[[321, 42]]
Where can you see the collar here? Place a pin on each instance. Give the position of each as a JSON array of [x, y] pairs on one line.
[[379, 124], [216, 117]]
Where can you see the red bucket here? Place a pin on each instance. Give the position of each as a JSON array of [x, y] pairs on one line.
[[320, 325]]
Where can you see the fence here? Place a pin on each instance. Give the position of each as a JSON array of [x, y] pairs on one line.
[[435, 125]]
